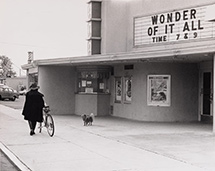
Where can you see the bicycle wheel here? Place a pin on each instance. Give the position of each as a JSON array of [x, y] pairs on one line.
[[50, 125]]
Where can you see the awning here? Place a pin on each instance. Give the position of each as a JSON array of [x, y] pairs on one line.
[[139, 54]]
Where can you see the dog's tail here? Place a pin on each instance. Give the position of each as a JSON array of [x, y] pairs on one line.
[[92, 115]]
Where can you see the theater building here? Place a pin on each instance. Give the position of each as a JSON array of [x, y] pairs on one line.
[[148, 61]]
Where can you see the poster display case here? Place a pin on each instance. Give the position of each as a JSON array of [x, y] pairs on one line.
[[158, 90], [128, 84], [118, 89], [123, 89]]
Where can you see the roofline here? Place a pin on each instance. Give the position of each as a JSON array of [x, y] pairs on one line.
[[28, 66], [144, 54]]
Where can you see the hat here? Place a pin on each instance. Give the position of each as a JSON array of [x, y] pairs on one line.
[[34, 86]]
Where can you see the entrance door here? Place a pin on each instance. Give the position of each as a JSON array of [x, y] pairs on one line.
[[206, 95]]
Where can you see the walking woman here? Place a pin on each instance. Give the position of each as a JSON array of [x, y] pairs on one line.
[[33, 107]]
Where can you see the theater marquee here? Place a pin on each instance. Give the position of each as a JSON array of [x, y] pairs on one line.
[[187, 24]]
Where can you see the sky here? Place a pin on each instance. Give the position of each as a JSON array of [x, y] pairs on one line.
[[48, 28]]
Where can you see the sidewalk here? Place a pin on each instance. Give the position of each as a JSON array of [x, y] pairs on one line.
[[111, 144]]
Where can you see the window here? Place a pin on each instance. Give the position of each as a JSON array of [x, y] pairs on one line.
[[128, 67], [93, 82], [94, 27]]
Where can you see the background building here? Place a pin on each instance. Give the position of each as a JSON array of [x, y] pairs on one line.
[[17, 82]]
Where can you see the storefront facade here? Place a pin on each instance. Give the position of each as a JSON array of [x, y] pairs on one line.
[[148, 61]]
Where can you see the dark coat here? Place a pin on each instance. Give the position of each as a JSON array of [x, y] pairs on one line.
[[33, 107]]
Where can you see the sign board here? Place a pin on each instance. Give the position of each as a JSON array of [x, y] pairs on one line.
[[178, 25], [33, 70]]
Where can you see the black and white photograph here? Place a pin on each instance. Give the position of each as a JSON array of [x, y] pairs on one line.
[[107, 85]]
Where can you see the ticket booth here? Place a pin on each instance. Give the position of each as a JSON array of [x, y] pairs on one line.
[[93, 90]]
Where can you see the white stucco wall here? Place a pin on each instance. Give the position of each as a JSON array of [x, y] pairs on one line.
[[85, 104], [97, 104], [58, 85], [114, 26], [184, 93], [16, 82]]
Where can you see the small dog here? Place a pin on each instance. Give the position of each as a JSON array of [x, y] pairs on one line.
[[88, 119]]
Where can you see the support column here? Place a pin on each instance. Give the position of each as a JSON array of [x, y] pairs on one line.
[[213, 94], [27, 77]]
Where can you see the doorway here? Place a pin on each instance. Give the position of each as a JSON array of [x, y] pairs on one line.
[[206, 96]]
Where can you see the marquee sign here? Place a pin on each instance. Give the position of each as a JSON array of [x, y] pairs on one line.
[[186, 24]]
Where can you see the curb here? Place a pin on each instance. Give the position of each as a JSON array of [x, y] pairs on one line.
[[14, 159]]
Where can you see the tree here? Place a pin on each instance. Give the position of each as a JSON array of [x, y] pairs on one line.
[[6, 69]]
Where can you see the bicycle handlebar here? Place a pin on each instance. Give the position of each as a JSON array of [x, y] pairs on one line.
[[46, 109]]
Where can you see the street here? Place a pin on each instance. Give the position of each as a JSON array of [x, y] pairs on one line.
[[17, 104]]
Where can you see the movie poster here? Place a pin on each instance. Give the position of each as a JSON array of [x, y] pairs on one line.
[[128, 84], [158, 90], [118, 89]]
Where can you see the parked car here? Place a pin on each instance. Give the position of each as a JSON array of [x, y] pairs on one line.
[[8, 93]]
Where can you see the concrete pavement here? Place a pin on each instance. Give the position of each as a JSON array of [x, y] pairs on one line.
[[111, 144]]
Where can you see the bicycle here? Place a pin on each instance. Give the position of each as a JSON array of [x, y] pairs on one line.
[[48, 122]]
